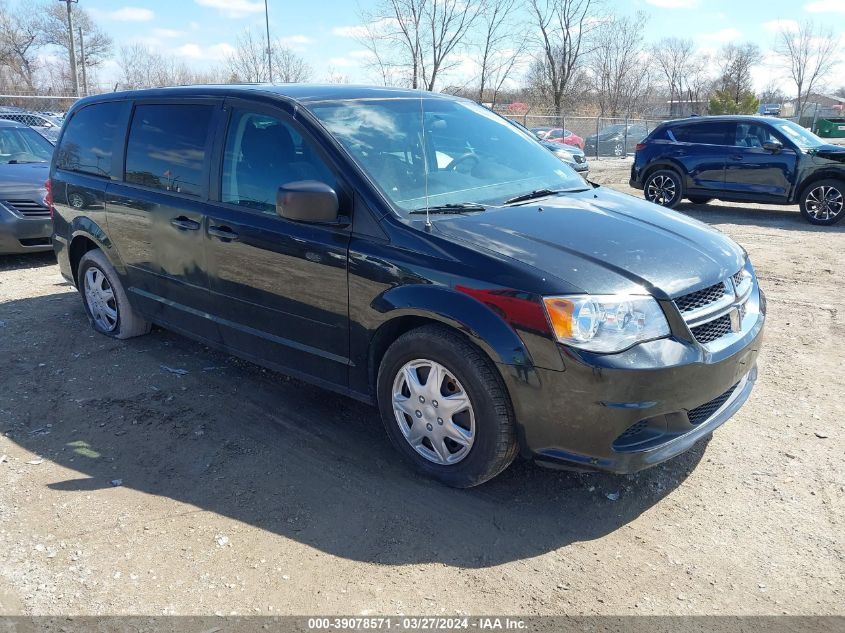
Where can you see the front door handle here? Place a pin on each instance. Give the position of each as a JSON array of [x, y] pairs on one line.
[[223, 233], [186, 224]]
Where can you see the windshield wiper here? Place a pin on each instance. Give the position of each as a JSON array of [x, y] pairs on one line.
[[531, 195], [458, 207], [25, 162]]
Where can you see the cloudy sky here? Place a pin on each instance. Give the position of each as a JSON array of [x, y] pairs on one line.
[[203, 32]]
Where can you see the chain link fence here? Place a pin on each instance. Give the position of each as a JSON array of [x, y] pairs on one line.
[[599, 137]]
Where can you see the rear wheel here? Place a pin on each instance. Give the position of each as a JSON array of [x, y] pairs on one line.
[[445, 407], [699, 199], [823, 202], [105, 300], [664, 187]]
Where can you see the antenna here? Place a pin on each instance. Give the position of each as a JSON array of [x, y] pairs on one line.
[[425, 162]]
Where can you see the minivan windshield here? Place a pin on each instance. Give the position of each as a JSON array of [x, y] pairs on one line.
[[802, 137], [23, 145], [460, 156]]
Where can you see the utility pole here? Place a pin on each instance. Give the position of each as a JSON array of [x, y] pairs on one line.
[[72, 47], [269, 48], [82, 61]]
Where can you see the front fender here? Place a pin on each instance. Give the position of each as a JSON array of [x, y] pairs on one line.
[[483, 326]]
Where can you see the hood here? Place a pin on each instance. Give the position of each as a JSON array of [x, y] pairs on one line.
[[24, 180], [831, 152], [603, 242]]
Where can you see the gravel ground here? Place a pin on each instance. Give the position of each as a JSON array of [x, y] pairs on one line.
[[128, 488]]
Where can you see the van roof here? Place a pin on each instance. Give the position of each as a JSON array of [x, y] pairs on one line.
[[302, 93]]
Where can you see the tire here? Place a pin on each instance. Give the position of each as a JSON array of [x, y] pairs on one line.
[[660, 184], [699, 199], [488, 426], [107, 305], [823, 202]]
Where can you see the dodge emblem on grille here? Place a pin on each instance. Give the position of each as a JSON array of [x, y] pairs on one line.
[[736, 319]]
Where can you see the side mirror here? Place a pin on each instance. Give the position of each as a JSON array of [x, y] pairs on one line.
[[773, 146], [307, 201]]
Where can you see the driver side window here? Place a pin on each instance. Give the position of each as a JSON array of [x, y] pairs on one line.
[[262, 153]]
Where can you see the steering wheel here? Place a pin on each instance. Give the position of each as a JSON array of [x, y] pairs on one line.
[[463, 158]]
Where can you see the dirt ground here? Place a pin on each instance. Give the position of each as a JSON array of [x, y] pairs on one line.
[[126, 488]]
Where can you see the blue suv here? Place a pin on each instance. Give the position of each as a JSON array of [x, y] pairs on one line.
[[742, 159]]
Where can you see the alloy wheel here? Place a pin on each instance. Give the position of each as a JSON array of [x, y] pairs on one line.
[[433, 411], [824, 203], [661, 190], [100, 298]]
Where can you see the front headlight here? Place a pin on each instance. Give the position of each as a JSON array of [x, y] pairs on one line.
[[566, 157], [605, 323]]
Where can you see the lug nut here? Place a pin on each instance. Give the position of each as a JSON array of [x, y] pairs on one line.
[[434, 403], [419, 413], [429, 427], [440, 421], [422, 399]]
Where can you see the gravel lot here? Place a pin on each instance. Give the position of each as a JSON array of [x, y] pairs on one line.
[[128, 488]]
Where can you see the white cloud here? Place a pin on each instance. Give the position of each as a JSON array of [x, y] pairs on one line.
[[342, 62], [776, 26], [295, 42], [168, 33], [132, 14], [722, 36], [362, 54], [215, 52], [673, 4], [233, 8], [825, 6], [350, 31]]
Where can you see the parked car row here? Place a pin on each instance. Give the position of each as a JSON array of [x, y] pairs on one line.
[[47, 124]]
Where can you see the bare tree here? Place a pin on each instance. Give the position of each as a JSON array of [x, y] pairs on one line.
[[54, 31], [737, 64], [809, 54], [772, 93], [141, 67], [393, 33], [564, 28], [19, 43], [502, 44], [685, 71], [414, 41], [249, 61], [618, 66]]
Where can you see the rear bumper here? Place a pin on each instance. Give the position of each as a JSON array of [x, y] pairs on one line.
[[24, 235], [625, 412]]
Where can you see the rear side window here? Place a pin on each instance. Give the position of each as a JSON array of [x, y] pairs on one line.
[[89, 139], [706, 132], [167, 147]]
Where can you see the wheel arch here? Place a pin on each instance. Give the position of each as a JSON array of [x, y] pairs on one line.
[[408, 307], [86, 235], [824, 174]]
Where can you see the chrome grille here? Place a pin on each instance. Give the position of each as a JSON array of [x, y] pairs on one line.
[[738, 277], [701, 298], [27, 208], [705, 411], [710, 331]]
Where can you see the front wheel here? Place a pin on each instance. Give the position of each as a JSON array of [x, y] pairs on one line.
[[664, 187], [445, 407], [822, 202]]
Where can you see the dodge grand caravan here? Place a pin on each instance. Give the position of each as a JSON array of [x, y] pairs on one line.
[[415, 251]]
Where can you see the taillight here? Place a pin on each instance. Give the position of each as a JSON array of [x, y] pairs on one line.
[[639, 146], [48, 199]]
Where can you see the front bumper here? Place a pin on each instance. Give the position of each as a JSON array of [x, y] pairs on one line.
[[24, 235], [625, 412]]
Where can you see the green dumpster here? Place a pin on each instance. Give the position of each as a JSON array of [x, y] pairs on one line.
[[831, 128]]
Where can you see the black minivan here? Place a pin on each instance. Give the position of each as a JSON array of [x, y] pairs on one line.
[[412, 250]]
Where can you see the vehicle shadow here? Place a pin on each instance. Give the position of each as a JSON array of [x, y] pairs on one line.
[[772, 216], [232, 438], [27, 260]]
